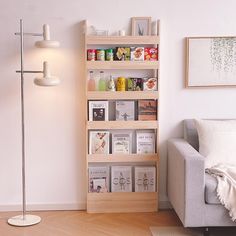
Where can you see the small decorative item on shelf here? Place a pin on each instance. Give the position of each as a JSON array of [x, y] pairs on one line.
[[145, 142], [147, 109], [91, 55], [122, 54], [100, 54], [121, 84], [137, 53], [109, 54], [91, 82], [150, 54], [102, 82], [111, 84], [99, 142], [141, 26], [121, 32], [135, 84], [150, 84]]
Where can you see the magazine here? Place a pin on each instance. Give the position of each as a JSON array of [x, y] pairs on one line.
[[121, 179], [147, 109], [145, 179], [121, 142], [98, 110], [99, 142], [125, 110], [145, 142], [98, 179]]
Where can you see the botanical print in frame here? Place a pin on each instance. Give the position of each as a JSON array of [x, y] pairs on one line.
[[211, 61], [141, 26]]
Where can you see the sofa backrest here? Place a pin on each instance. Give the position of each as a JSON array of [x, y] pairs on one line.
[[190, 133]]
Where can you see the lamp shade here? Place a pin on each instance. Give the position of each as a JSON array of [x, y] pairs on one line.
[[47, 42], [47, 79]]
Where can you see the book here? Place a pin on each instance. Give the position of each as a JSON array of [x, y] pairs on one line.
[[121, 142], [135, 84], [147, 109], [150, 84], [98, 110], [137, 53], [121, 179], [145, 142], [99, 142], [145, 179], [125, 110], [98, 179]]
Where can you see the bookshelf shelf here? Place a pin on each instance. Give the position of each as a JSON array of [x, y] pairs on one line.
[[122, 65], [136, 124], [119, 40], [113, 158], [120, 201], [127, 95]]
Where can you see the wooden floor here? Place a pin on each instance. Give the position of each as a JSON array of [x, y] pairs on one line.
[[80, 223]]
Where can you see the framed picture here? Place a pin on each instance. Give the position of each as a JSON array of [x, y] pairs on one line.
[[211, 61], [141, 26]]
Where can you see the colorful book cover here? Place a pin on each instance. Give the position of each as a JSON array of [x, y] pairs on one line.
[[145, 142], [147, 110], [98, 179], [98, 110], [121, 142], [145, 179], [121, 179], [99, 142], [125, 110]]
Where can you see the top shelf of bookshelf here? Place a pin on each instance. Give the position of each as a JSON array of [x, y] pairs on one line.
[[121, 40]]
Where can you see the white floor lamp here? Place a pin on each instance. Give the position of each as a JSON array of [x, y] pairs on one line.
[[46, 80]]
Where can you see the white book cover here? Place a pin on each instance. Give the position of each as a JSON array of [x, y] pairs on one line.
[[121, 179], [98, 179], [121, 142], [125, 110], [145, 179], [99, 142], [145, 142], [98, 110]]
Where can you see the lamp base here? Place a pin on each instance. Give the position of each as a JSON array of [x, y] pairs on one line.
[[24, 221]]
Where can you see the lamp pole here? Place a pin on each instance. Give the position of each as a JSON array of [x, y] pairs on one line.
[[22, 117]]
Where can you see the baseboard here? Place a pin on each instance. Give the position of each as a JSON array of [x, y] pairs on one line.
[[62, 207], [165, 205], [45, 207]]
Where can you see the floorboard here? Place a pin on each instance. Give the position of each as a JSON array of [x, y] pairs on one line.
[[80, 223]]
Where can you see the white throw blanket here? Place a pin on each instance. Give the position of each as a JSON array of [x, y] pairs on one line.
[[226, 188]]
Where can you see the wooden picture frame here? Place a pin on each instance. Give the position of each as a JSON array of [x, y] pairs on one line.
[[141, 26], [211, 61]]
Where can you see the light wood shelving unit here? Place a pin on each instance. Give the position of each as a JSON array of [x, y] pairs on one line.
[[122, 201]]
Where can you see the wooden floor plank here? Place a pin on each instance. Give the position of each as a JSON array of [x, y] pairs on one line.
[[80, 223]]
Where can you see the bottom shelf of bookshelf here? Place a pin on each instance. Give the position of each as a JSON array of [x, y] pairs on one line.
[[122, 202]]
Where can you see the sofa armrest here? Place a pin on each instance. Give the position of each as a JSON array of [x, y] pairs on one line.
[[186, 182]]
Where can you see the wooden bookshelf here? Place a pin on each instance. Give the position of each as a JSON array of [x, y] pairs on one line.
[[136, 124], [117, 158], [121, 201], [127, 95], [122, 65], [122, 40]]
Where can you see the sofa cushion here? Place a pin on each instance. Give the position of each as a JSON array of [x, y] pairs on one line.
[[210, 190], [217, 141]]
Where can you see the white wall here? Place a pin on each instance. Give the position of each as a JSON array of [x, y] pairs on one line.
[[54, 137]]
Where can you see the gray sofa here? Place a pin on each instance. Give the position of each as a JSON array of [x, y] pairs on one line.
[[191, 191]]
